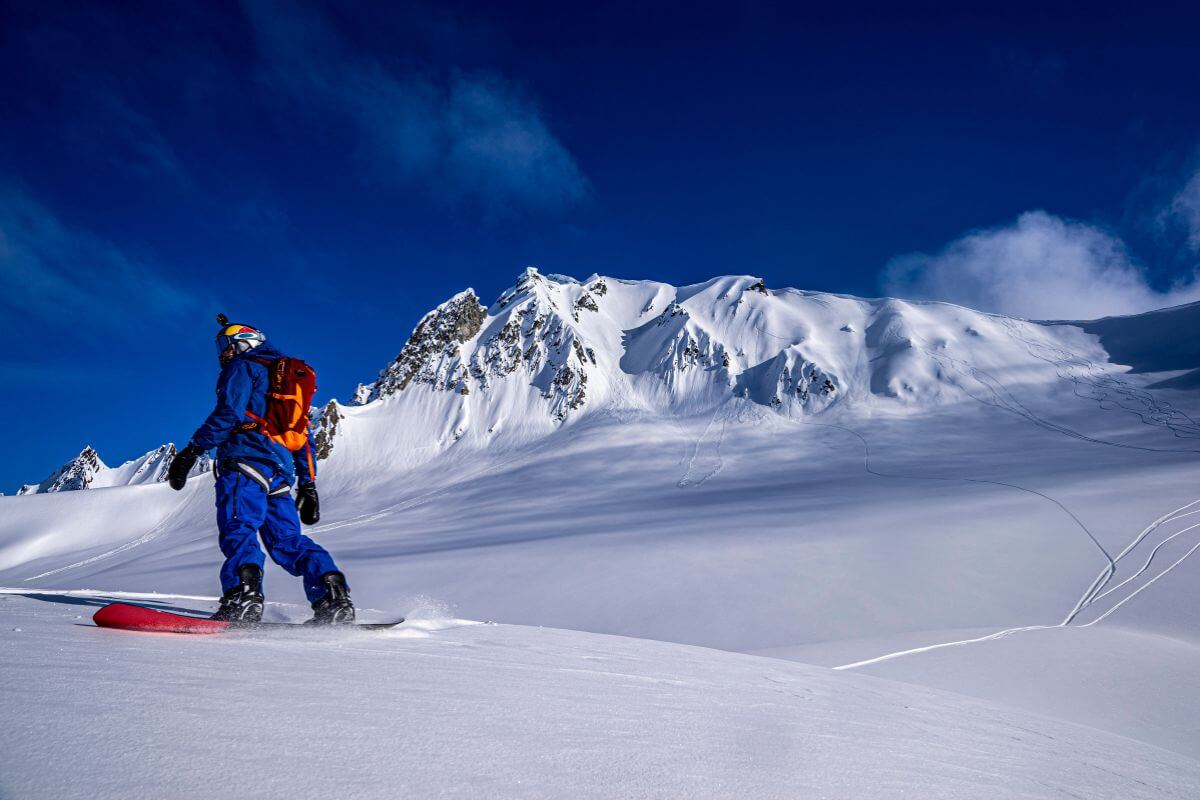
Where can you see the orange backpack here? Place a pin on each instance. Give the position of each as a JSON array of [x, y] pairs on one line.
[[285, 420]]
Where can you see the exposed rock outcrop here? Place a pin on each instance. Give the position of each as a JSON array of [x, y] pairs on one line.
[[325, 430], [431, 355]]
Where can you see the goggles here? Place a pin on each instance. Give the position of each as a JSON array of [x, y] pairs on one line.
[[235, 335]]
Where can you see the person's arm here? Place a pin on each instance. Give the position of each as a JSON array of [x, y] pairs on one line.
[[233, 394]]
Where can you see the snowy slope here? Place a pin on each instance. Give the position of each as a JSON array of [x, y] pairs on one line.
[[449, 709], [980, 504]]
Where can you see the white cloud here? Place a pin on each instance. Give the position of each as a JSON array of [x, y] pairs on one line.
[[1040, 267], [465, 136], [51, 273]]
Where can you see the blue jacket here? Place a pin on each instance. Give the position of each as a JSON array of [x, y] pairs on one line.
[[242, 387]]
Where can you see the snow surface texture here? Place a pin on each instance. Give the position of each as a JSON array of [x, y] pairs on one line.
[[917, 491], [447, 709]]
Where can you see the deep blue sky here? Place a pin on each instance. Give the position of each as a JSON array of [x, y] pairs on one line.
[[330, 172]]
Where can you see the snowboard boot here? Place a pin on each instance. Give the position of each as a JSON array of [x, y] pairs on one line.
[[244, 602], [335, 607]]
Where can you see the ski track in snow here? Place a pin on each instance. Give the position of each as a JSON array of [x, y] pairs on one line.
[[412, 502], [997, 635], [1004, 400], [942, 645], [1092, 595], [1101, 385], [1096, 593], [1089, 597], [703, 466], [1153, 412], [1149, 409], [149, 536], [1149, 560]]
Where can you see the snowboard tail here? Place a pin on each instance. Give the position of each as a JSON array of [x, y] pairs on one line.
[[126, 616]]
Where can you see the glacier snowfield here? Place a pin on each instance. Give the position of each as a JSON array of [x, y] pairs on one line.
[[649, 553]]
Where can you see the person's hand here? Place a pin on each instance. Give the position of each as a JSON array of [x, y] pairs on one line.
[[181, 465], [308, 504]]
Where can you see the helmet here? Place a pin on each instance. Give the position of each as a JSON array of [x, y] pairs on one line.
[[234, 339]]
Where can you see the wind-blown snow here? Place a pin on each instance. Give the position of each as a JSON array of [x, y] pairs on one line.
[[979, 504]]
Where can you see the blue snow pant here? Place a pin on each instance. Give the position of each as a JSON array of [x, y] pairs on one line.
[[249, 507]]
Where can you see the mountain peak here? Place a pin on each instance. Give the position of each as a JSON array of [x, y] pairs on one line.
[[78, 473], [88, 471], [430, 356]]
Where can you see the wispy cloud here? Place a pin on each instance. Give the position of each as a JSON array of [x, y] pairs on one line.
[[1039, 267], [467, 136], [52, 273], [1183, 212], [125, 136]]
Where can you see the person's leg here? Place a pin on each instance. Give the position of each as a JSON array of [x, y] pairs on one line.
[[292, 550], [241, 510]]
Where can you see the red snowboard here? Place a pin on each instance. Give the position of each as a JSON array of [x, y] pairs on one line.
[[139, 618]]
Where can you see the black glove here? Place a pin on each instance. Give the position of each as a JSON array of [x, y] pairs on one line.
[[181, 465], [308, 504]]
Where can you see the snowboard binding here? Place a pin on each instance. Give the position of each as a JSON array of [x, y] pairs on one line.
[[243, 603], [335, 608]]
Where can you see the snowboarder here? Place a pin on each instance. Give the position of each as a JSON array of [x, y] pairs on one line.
[[260, 430]]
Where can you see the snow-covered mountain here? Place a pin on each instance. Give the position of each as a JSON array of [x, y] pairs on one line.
[[552, 349], [586, 344], [88, 471]]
